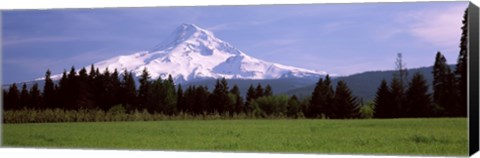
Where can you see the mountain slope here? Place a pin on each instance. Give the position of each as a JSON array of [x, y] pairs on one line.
[[191, 53]]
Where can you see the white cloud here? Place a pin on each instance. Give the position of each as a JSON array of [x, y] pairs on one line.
[[437, 26]]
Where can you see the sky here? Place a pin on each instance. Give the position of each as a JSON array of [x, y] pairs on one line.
[[341, 39]]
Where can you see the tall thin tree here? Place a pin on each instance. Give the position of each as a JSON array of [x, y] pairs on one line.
[[461, 69]]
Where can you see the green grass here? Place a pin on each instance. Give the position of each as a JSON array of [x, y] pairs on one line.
[[439, 136]]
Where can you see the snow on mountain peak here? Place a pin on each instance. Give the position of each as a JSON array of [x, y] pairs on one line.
[[191, 53]]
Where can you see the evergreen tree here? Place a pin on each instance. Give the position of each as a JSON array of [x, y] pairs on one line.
[[259, 91], [444, 92], [461, 70], [188, 101], [105, 90], [383, 102], [24, 97], [170, 98], [144, 89], [197, 100], [398, 85], [48, 92], [85, 97], [238, 99], [156, 97], [6, 100], [402, 72], [72, 94], [346, 105], [397, 99], [92, 74], [128, 92], [181, 100], [418, 100], [329, 95], [251, 95], [293, 107], [322, 97], [219, 98], [12, 99], [115, 89], [268, 90], [35, 99], [62, 92], [317, 100]]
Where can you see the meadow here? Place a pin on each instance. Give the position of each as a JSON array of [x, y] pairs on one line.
[[433, 136]]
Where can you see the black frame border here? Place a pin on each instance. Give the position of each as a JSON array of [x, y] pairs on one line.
[[473, 83]]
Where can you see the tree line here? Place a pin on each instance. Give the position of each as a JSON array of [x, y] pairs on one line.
[[105, 90]]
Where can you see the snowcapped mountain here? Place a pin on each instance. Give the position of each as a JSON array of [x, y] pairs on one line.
[[191, 53]]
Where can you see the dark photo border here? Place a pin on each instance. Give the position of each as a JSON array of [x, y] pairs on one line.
[[473, 77]]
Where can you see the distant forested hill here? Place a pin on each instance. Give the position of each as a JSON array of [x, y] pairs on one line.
[[364, 85]]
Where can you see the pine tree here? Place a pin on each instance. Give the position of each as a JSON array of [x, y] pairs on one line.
[[322, 97], [48, 92], [24, 97], [92, 74], [188, 101], [398, 86], [129, 93], [444, 92], [115, 89], [461, 70], [170, 99], [85, 94], [219, 98], [397, 99], [105, 90], [259, 91], [402, 73], [198, 100], [35, 99], [293, 107], [156, 97], [98, 88], [329, 95], [238, 99], [321, 101], [251, 95], [383, 101], [418, 100], [317, 100], [144, 89], [181, 100], [346, 105], [72, 94], [62, 92], [12, 99], [6, 101], [268, 90]]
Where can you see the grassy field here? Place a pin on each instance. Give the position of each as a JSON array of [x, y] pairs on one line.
[[440, 136]]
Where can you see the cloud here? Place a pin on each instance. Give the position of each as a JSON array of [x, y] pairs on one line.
[[439, 26], [27, 40]]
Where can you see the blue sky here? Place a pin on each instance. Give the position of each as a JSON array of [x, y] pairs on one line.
[[341, 39]]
